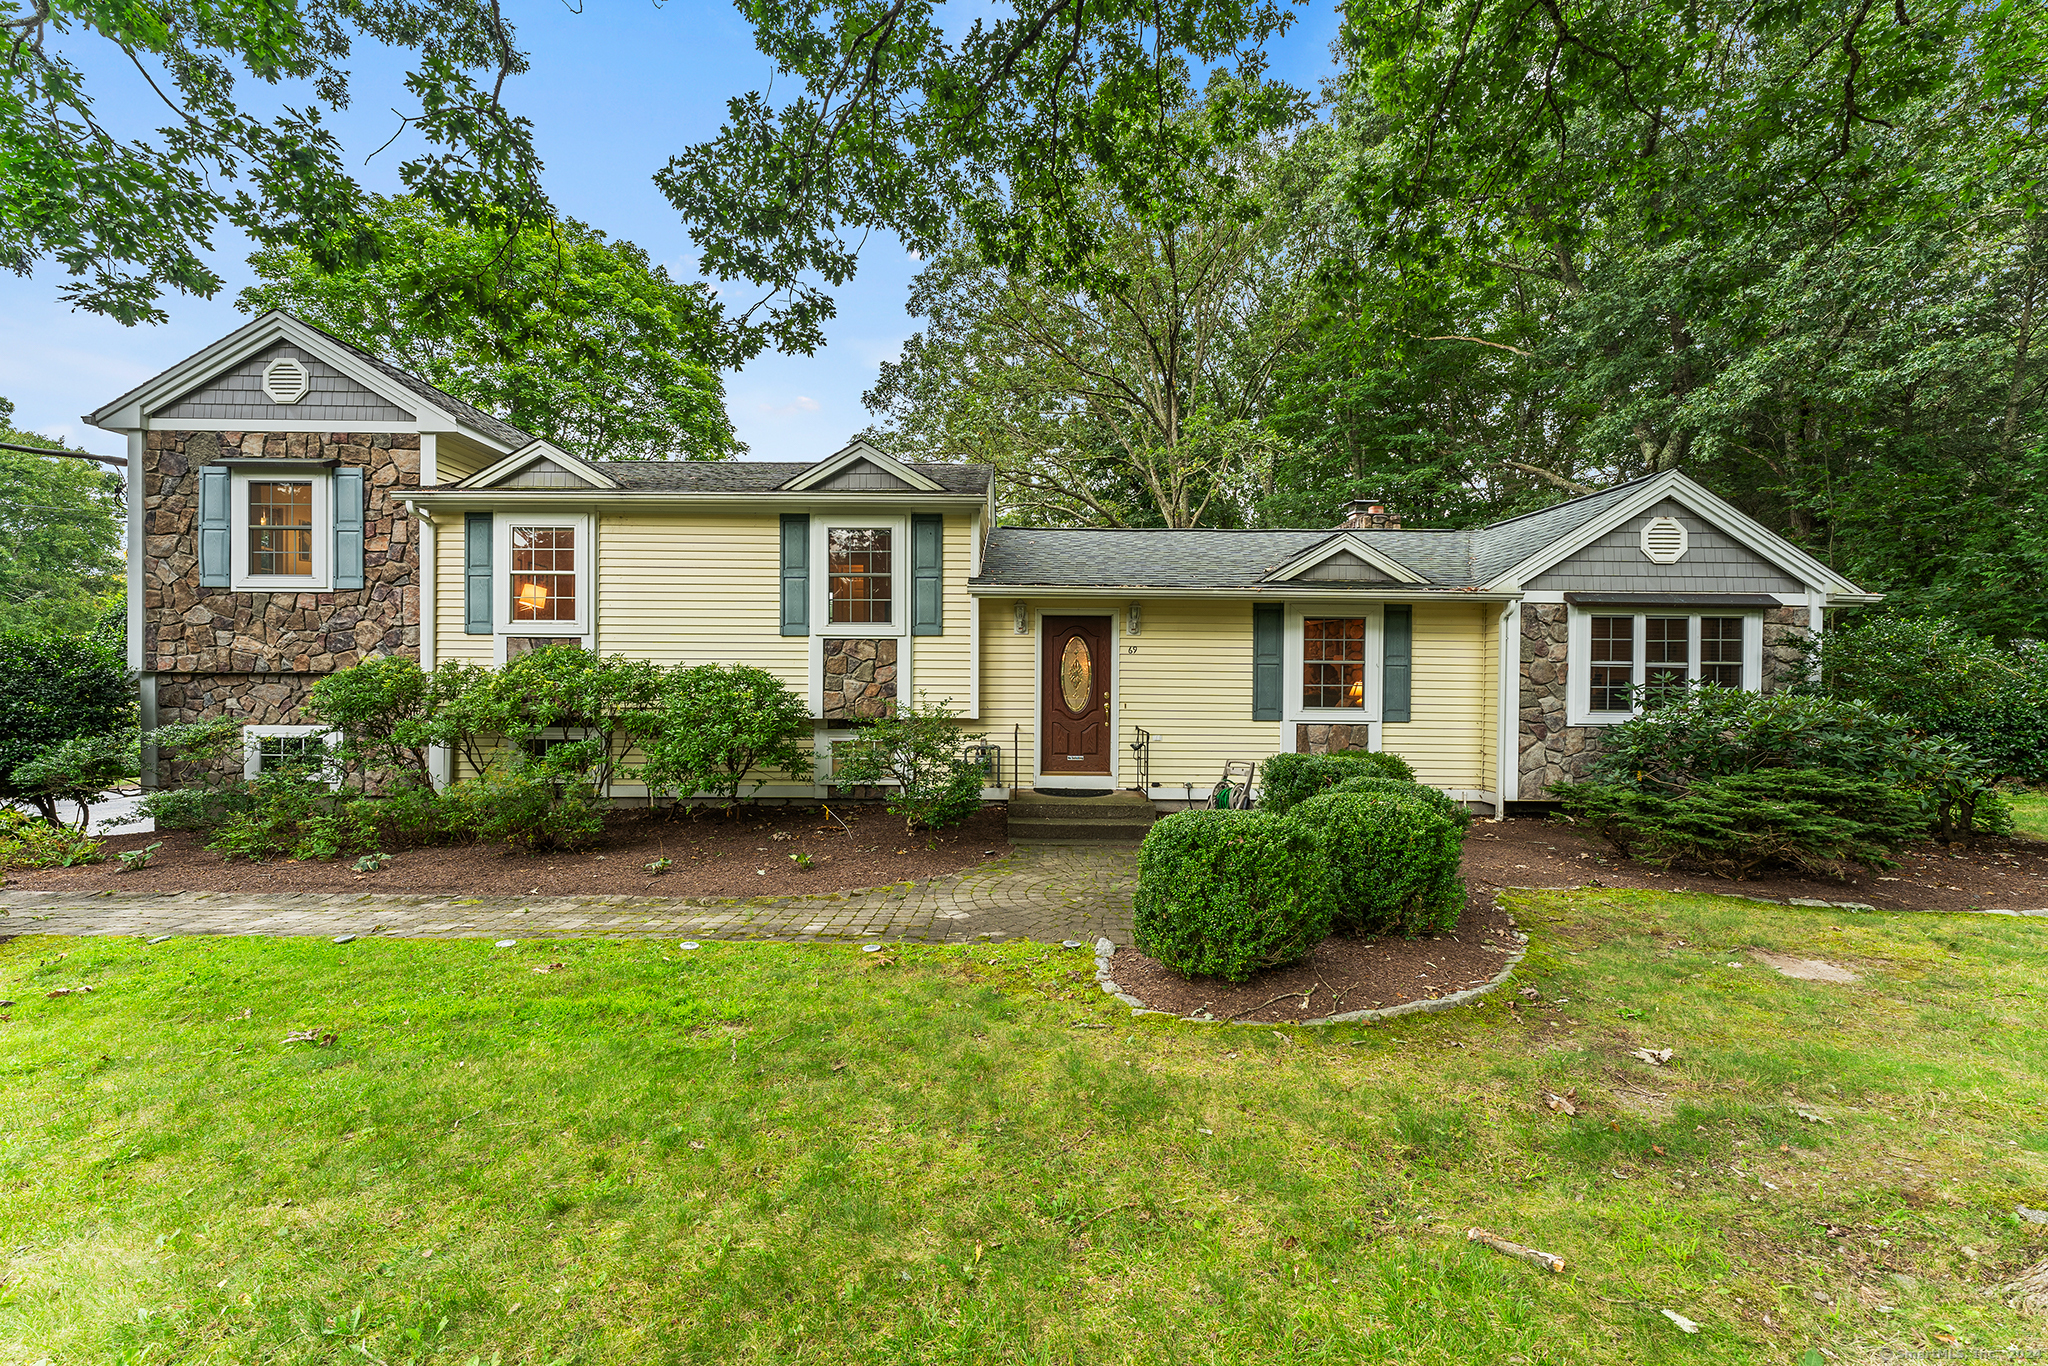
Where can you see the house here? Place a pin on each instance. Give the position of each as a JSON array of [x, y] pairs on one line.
[[300, 505]]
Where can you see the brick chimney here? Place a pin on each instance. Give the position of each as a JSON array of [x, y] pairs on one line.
[[1370, 514]]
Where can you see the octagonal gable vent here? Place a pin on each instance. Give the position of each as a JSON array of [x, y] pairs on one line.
[[1664, 540], [285, 380]]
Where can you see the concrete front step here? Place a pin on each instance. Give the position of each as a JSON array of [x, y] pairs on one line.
[[1119, 817]]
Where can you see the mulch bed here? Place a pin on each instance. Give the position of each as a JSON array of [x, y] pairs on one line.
[[711, 855], [1370, 974], [1341, 975]]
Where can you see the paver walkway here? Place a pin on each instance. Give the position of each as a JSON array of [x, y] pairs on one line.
[[1043, 892]]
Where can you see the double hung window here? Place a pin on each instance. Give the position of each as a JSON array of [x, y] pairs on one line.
[[1333, 663], [1633, 660], [543, 586], [861, 575], [280, 528]]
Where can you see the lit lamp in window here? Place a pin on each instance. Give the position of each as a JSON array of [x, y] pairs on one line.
[[533, 598], [1356, 697]]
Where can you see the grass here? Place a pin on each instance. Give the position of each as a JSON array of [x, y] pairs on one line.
[[2030, 813], [792, 1153]]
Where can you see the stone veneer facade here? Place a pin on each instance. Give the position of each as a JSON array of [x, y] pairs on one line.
[[1552, 751], [222, 651], [860, 679], [1334, 738]]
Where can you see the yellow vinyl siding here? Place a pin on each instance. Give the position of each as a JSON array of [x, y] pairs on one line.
[[1008, 677], [697, 590], [1187, 678], [939, 665], [450, 640], [1452, 708]]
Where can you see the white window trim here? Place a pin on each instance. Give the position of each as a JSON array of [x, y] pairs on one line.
[[252, 749], [1579, 655], [501, 571], [1291, 709], [238, 529], [822, 624]]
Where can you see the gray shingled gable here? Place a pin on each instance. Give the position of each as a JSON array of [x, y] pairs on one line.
[[1503, 545]]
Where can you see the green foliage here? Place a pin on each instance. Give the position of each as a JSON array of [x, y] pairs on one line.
[[1393, 859], [1287, 780], [922, 750], [561, 331], [383, 709], [530, 804], [1436, 799], [1714, 731], [291, 812], [82, 770], [135, 860], [1231, 893], [911, 125], [60, 537], [54, 688], [1946, 680], [31, 842], [1817, 820], [601, 704], [129, 218], [719, 723], [199, 776]]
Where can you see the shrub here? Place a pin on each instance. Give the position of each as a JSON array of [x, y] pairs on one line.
[[523, 802], [602, 703], [416, 813], [82, 770], [52, 689], [1818, 820], [1230, 893], [718, 723], [1434, 798], [1394, 861], [922, 750], [30, 842], [383, 708], [204, 759], [1288, 780], [292, 814]]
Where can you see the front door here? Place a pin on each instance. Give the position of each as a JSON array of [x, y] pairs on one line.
[[1074, 697]]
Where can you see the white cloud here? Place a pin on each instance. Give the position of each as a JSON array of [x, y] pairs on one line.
[[800, 404]]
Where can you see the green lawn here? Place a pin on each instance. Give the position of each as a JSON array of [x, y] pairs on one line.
[[783, 1153], [2030, 813]]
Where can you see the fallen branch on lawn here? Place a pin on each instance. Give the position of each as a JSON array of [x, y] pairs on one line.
[[1549, 1261], [1304, 995]]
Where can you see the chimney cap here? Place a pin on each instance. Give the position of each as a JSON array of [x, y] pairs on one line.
[[1366, 514]]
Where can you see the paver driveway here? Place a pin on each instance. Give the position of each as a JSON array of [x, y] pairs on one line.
[[1048, 892]]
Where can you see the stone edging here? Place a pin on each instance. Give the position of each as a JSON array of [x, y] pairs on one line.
[[1808, 901], [1104, 951]]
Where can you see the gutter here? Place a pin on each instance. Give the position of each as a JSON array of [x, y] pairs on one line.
[[428, 501], [1392, 593]]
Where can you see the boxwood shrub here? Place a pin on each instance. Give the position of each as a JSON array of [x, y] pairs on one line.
[[1395, 858], [1432, 797], [1288, 780], [1230, 893]]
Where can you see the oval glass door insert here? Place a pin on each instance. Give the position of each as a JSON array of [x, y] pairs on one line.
[[1077, 676]]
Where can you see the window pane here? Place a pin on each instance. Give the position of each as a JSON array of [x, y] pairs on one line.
[[1721, 651], [1613, 666], [1666, 654], [1333, 662], [274, 752], [543, 573], [859, 574], [281, 529]]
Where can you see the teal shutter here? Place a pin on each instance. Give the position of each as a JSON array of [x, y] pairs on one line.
[[927, 575], [1398, 682], [476, 573], [214, 533], [796, 574], [348, 530], [1267, 621]]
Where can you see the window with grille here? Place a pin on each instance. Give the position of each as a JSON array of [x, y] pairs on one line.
[[1667, 655], [1332, 662], [543, 573], [280, 529], [1721, 651], [302, 752], [859, 569], [1612, 670]]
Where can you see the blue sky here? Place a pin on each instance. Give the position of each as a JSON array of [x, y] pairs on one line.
[[614, 91]]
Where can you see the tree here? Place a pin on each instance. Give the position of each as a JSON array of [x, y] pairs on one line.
[[54, 688], [130, 219], [561, 331], [60, 536], [985, 137], [1133, 396], [716, 725]]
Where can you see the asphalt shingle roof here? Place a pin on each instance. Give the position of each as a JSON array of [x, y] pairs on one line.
[[759, 476], [1029, 557]]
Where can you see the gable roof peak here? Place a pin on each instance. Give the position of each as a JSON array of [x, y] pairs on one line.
[[855, 452]]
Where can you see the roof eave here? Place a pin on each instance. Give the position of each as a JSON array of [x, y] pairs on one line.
[[1397, 592]]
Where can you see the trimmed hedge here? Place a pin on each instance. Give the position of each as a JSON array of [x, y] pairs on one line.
[[1230, 893], [1288, 780], [1395, 858], [1432, 797]]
